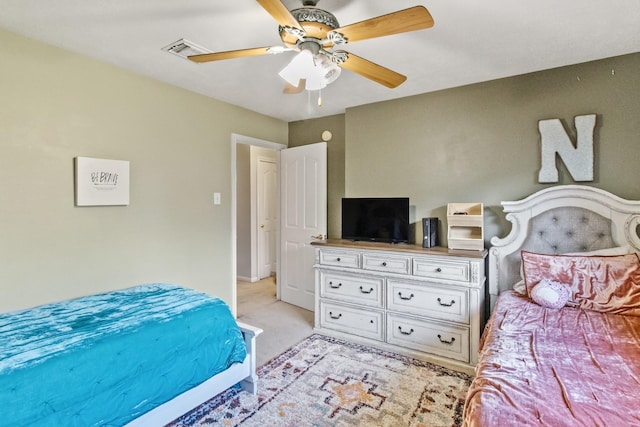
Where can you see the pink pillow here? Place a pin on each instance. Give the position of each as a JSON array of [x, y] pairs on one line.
[[600, 283], [550, 294], [616, 250]]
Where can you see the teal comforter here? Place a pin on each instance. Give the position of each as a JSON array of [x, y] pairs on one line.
[[107, 359]]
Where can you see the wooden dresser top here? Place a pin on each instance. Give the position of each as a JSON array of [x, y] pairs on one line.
[[400, 247]]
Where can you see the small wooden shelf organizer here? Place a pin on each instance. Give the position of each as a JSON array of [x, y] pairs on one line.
[[465, 229]]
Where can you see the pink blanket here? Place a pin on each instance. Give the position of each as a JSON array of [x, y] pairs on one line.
[[567, 367]]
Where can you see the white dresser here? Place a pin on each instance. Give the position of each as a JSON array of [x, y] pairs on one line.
[[426, 303]]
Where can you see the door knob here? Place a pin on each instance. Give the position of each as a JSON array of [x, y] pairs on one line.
[[261, 225], [319, 237]]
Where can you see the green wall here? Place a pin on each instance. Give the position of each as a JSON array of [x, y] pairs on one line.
[[57, 105], [480, 143]]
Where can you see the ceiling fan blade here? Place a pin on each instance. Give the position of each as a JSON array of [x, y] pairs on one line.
[[402, 21], [290, 89], [218, 56], [280, 13], [372, 71]]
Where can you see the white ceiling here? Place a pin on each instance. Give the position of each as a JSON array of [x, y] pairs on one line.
[[472, 41]]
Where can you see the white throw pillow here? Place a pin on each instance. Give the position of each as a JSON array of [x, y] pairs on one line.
[[550, 294]]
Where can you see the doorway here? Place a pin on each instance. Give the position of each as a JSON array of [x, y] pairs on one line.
[[301, 208], [254, 207], [256, 213]]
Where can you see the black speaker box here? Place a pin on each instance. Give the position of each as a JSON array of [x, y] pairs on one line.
[[429, 232]]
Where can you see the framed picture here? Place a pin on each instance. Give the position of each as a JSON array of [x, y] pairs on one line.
[[101, 182]]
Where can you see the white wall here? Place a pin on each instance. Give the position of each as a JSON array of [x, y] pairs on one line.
[[55, 106]]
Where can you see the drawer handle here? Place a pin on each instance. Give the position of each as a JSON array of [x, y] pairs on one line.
[[366, 292], [444, 304], [384, 263], [335, 317], [405, 298], [445, 341], [405, 332], [438, 270], [338, 259], [336, 286]]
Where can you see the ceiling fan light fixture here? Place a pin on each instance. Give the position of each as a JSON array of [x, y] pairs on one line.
[[298, 68], [330, 69], [317, 71]]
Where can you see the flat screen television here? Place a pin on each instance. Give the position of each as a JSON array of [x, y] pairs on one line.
[[377, 219]]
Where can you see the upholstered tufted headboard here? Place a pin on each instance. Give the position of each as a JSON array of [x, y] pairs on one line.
[[561, 219]]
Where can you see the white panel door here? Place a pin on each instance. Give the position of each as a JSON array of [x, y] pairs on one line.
[[303, 218], [267, 216]]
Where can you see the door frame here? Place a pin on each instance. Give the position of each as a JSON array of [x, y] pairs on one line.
[[247, 140]]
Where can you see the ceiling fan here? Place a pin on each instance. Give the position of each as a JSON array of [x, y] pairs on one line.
[[314, 33]]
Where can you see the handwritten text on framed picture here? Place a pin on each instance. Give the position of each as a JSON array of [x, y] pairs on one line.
[[101, 182]]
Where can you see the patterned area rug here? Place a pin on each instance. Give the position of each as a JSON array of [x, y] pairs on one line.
[[323, 381]]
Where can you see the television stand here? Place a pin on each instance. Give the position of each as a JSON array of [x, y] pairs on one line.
[[427, 303]]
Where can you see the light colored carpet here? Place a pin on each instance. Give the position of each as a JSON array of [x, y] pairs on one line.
[[284, 324], [328, 382]]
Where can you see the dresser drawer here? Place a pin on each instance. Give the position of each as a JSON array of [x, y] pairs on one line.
[[340, 258], [441, 302], [432, 337], [441, 269], [361, 322], [386, 263], [352, 288]]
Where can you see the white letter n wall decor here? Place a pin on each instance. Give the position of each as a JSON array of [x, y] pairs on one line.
[[577, 158]]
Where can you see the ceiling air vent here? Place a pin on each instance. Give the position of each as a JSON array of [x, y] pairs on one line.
[[184, 48]]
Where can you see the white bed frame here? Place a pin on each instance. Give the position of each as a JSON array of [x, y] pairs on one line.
[[623, 215], [243, 373]]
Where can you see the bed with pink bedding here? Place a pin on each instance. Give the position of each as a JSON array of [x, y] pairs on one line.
[[562, 346]]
